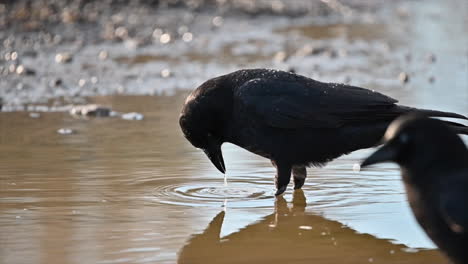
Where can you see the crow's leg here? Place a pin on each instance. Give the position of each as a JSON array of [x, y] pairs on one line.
[[283, 176], [300, 174]]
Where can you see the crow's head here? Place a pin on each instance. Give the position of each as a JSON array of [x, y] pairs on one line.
[[416, 142], [204, 117]]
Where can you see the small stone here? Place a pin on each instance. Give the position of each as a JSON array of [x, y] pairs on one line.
[[432, 79], [431, 57], [55, 82], [217, 21], [403, 77], [132, 116], [64, 57], [34, 115], [82, 82], [103, 55], [166, 73], [65, 131], [165, 38], [187, 37], [121, 32], [14, 56], [91, 110], [280, 56], [157, 33], [12, 68], [7, 56], [22, 70]]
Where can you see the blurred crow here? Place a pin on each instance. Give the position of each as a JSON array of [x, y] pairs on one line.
[[292, 120], [434, 165]]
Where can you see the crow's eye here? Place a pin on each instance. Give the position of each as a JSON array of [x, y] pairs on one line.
[[403, 138]]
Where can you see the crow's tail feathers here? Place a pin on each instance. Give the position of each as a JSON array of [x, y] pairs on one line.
[[459, 128]]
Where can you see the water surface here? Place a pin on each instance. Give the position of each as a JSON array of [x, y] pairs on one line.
[[120, 191]]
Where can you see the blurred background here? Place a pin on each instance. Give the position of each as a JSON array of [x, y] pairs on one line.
[[94, 168]]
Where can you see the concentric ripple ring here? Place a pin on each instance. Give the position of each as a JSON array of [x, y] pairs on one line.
[[238, 193]]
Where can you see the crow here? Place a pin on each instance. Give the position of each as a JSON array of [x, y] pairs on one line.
[[434, 165], [290, 119]]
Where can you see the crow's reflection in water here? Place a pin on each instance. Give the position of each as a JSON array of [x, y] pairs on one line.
[[290, 235]]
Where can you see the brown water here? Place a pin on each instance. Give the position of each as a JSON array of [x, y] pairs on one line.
[[119, 191]]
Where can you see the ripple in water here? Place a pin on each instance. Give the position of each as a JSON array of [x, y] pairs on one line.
[[238, 193]]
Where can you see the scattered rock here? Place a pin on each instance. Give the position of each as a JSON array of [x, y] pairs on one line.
[[91, 110], [403, 77], [166, 73], [280, 56], [65, 131], [81, 82], [432, 79], [64, 57], [217, 21], [431, 57], [103, 55], [132, 116], [309, 49], [34, 115], [55, 82], [22, 70]]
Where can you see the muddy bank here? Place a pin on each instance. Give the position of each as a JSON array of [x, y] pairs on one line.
[[58, 52]]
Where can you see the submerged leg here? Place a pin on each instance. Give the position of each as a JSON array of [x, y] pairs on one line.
[[283, 176], [300, 174]]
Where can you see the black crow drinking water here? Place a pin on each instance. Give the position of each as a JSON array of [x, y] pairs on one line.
[[434, 165], [290, 119]]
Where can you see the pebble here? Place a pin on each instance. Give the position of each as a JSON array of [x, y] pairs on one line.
[[431, 57], [403, 77], [34, 115], [65, 131], [166, 73], [55, 82], [103, 55], [91, 110], [22, 70], [64, 57], [132, 116]]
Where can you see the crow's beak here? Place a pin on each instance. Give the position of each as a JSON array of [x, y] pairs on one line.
[[386, 153], [216, 156]]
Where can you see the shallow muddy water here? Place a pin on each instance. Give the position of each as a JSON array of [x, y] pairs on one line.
[[121, 191]]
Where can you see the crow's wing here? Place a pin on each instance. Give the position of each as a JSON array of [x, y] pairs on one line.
[[308, 103], [454, 208]]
